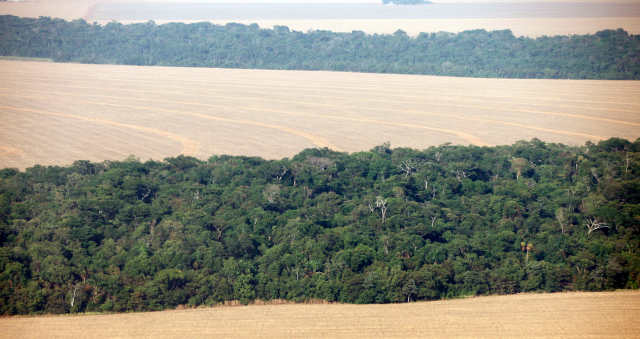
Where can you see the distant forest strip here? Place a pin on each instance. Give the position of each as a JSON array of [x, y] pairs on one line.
[[386, 225], [609, 54]]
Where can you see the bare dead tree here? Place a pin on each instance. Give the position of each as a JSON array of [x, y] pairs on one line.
[[385, 244], [280, 175], [408, 167], [561, 218], [84, 274], [219, 228], [529, 248], [460, 174], [433, 221], [626, 167], [371, 208], [382, 205], [426, 184], [73, 296], [307, 192], [518, 165], [526, 247], [593, 225]]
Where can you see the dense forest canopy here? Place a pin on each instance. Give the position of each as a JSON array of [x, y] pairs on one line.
[[386, 225], [609, 54]]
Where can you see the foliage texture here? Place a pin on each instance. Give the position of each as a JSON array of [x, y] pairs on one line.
[[609, 54], [387, 225]]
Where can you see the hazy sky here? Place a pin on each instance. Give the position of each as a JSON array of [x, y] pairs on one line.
[[378, 1]]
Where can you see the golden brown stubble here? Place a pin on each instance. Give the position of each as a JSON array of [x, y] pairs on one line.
[[535, 92], [278, 113], [447, 104], [315, 140], [189, 147], [559, 315], [11, 150], [321, 142]]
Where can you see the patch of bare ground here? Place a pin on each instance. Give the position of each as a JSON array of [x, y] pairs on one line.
[[558, 315], [56, 113]]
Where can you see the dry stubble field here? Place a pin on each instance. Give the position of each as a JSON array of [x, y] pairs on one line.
[[530, 27], [533, 27], [55, 113], [562, 315]]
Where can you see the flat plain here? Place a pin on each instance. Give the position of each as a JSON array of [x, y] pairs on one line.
[[529, 27], [522, 26], [560, 315], [524, 18], [55, 113]]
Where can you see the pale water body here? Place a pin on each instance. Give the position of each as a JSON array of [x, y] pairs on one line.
[[293, 11]]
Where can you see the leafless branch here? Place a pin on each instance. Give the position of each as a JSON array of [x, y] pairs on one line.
[[382, 205], [282, 173], [408, 166], [593, 225]]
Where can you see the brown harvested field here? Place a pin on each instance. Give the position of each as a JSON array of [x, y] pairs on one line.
[[562, 315], [533, 27], [65, 9], [56, 113], [530, 27]]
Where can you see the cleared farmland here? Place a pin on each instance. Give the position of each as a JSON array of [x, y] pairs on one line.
[[528, 19], [57, 113], [563, 315], [533, 27], [530, 27]]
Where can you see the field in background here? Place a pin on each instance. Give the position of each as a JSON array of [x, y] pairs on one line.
[[523, 18], [562, 315], [532, 26], [413, 27], [64, 9], [56, 113]]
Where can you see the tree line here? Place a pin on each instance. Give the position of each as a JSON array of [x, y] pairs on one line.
[[608, 54], [385, 225]]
